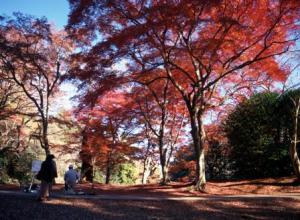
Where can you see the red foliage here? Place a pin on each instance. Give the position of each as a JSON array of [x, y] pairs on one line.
[[209, 50]]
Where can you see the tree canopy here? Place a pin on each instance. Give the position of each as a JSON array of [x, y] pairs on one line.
[[204, 48]]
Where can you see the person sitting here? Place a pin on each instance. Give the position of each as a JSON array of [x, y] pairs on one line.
[[71, 177]]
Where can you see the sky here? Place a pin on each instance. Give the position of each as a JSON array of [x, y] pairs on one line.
[[55, 10]]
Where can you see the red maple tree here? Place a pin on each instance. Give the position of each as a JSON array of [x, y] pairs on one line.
[[201, 46]]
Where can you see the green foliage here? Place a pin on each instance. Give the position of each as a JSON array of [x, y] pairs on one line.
[[218, 165], [15, 166], [4, 178], [23, 167], [255, 135], [286, 109], [99, 177], [127, 173]]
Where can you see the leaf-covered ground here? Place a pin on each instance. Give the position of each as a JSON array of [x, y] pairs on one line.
[[270, 186], [16, 206]]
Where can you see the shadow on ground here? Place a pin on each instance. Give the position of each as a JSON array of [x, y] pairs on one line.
[[26, 207]]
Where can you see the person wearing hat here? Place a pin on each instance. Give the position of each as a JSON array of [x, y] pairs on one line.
[[71, 177], [46, 174]]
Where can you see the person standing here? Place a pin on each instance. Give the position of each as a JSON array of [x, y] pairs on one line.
[[47, 174]]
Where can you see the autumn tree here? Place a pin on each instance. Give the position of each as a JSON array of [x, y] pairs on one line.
[[8, 96], [91, 154], [148, 154], [109, 133], [182, 168], [12, 100], [203, 47], [33, 58], [160, 108]]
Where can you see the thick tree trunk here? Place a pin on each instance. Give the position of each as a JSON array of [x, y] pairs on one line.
[[45, 141], [198, 135], [293, 145], [162, 154], [295, 160], [86, 171], [201, 181], [163, 175], [146, 170]]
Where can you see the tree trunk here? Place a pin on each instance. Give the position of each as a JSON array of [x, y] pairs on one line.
[[107, 177], [108, 173], [162, 150], [146, 170], [295, 160], [201, 178], [198, 136], [162, 157], [293, 145], [45, 141], [163, 175], [146, 163]]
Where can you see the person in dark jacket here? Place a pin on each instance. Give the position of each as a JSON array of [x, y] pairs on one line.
[[47, 174]]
